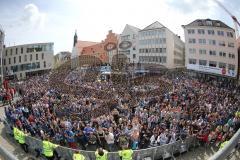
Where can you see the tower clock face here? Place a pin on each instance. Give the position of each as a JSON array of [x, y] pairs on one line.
[[125, 45], [110, 46]]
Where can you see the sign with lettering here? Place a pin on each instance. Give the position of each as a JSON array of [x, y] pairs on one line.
[[125, 45], [215, 70]]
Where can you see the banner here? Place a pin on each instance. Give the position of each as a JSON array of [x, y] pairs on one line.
[[215, 70]]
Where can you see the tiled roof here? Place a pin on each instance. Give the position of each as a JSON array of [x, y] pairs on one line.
[[81, 44], [205, 22]]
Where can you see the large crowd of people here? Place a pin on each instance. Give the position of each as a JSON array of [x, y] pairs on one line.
[[150, 111]]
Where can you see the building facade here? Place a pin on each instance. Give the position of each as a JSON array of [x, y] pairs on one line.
[[61, 58], [238, 46], [27, 60], [2, 36], [210, 47], [104, 48], [128, 43], [78, 46], [103, 51], [158, 45]]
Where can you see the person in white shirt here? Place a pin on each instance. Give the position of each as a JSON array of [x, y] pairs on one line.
[[153, 140], [162, 139], [109, 137]]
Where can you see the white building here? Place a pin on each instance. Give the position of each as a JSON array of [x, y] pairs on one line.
[[158, 45], [61, 58], [210, 47], [128, 43], [29, 59]]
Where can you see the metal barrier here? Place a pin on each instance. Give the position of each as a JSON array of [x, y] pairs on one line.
[[6, 154], [163, 151], [226, 150]]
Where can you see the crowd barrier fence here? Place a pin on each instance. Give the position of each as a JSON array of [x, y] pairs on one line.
[[228, 148], [163, 151], [5, 154]]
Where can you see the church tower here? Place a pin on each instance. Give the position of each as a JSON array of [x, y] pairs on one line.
[[75, 39]]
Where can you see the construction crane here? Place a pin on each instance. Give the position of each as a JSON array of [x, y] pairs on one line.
[[235, 20]]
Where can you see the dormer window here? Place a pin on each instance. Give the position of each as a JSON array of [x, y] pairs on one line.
[[209, 23]]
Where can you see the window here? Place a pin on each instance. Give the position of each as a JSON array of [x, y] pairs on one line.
[[134, 36], [192, 50], [25, 58], [222, 54], [192, 61], [191, 31], [231, 67], [11, 52], [211, 32], [202, 51], [220, 33], [124, 38], [202, 41], [212, 53], [222, 43], [6, 52], [4, 61], [201, 31], [14, 60], [222, 65], [232, 56], [230, 34], [163, 59], [16, 51], [20, 59], [36, 57], [21, 49], [164, 40], [212, 63], [231, 45], [134, 56], [30, 57], [164, 50], [212, 42], [209, 23], [202, 62], [9, 60], [191, 40]]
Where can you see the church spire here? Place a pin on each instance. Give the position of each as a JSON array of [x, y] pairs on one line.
[[75, 39]]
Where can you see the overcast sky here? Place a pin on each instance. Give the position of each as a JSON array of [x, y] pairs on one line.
[[26, 21]]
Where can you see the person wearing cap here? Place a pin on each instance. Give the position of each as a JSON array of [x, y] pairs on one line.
[[126, 154], [78, 156], [101, 154]]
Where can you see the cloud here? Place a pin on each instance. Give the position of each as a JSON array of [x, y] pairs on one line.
[[190, 6], [33, 17]]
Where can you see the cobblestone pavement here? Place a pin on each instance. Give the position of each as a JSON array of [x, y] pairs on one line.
[[201, 153]]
